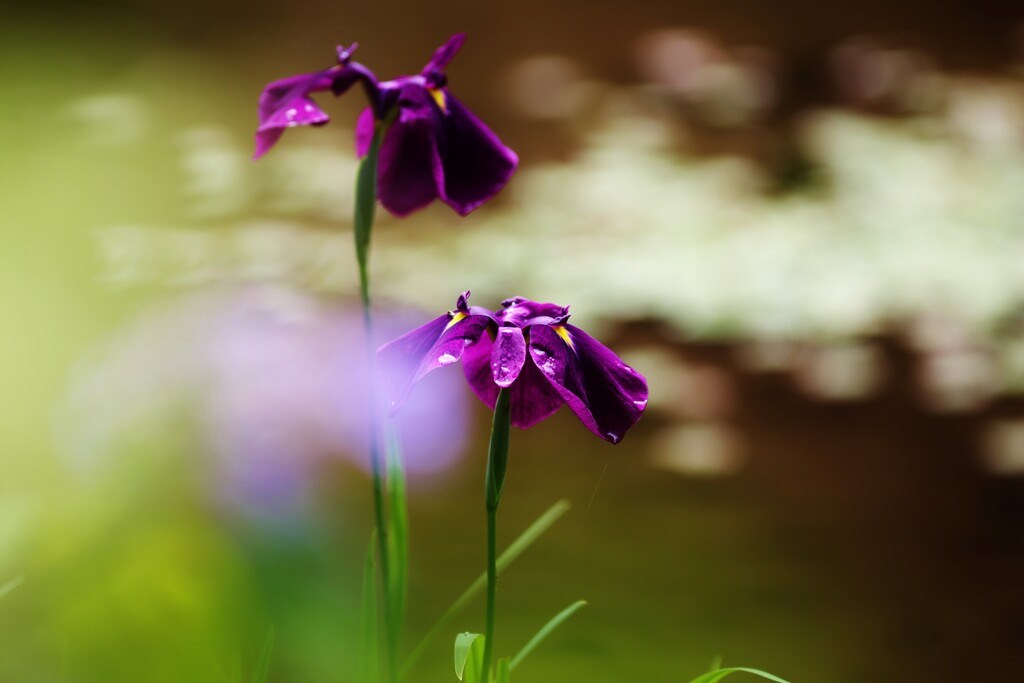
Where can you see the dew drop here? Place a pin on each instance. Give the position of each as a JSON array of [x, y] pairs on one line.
[[613, 437], [640, 404], [446, 359]]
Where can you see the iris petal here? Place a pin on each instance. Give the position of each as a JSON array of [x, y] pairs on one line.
[[533, 398], [607, 395], [508, 355], [476, 365], [285, 103], [445, 54], [410, 168], [365, 127], [407, 359], [476, 163]]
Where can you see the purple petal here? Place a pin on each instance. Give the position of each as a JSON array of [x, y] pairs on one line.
[[476, 163], [606, 394], [440, 342], [445, 54], [532, 399], [286, 103], [365, 127], [476, 365], [522, 312], [508, 355], [410, 165]]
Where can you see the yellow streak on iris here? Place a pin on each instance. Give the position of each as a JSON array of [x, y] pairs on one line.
[[439, 97], [564, 334], [456, 317]]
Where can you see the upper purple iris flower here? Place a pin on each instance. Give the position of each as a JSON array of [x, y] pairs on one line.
[[529, 348], [434, 147]]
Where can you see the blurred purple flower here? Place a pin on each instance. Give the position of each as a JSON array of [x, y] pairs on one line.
[[275, 381], [530, 348], [434, 147]]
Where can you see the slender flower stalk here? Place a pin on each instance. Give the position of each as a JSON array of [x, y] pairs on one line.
[[497, 464], [365, 212]]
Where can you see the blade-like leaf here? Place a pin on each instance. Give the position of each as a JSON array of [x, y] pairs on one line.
[[503, 670], [369, 661], [259, 674], [545, 631], [535, 530], [399, 530], [719, 674], [11, 585], [469, 657], [366, 208]]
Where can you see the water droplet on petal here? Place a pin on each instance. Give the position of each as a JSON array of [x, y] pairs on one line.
[[613, 437], [640, 404], [446, 359]]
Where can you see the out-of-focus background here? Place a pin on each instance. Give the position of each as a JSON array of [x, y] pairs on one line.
[[804, 222]]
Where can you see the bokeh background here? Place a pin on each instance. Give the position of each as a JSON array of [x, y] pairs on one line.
[[804, 222]]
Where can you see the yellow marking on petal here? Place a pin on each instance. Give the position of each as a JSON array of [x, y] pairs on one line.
[[564, 334], [438, 95], [456, 317]]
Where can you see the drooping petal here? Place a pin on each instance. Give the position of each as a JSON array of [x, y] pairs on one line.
[[445, 54], [476, 163], [410, 164], [508, 355], [607, 395], [442, 341], [365, 127], [286, 103], [532, 397], [476, 365]]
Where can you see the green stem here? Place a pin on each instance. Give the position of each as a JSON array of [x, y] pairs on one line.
[[497, 463], [365, 212]]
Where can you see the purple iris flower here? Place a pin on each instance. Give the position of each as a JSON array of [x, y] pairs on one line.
[[433, 147], [530, 349]]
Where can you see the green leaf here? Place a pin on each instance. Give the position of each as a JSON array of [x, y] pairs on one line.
[[259, 674], [518, 546], [545, 631], [719, 674], [11, 585], [469, 657], [503, 670], [366, 207], [369, 663], [398, 536], [497, 452]]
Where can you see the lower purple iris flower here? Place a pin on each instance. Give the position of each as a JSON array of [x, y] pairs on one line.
[[530, 349], [434, 147]]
